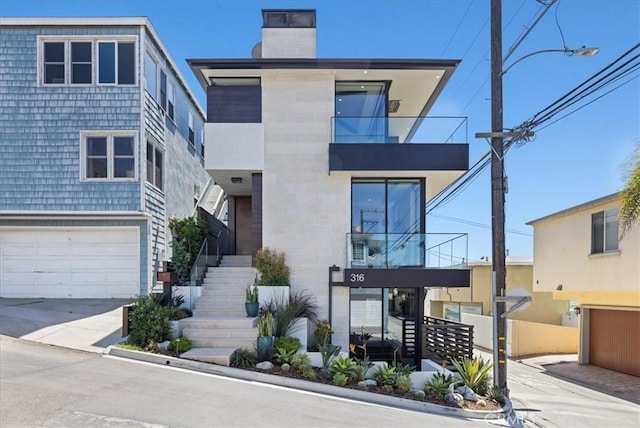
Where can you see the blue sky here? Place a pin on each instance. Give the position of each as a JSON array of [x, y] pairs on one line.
[[572, 161]]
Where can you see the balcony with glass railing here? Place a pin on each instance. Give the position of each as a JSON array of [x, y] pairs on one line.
[[407, 250], [398, 144]]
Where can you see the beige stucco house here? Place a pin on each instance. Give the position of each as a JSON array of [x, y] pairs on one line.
[[579, 256], [449, 303]]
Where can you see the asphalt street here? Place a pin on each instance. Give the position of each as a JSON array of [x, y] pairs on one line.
[[45, 386]]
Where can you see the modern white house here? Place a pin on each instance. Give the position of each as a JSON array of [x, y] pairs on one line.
[[101, 142], [580, 256], [331, 161]]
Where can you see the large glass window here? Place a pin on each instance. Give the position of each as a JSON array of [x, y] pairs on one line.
[[387, 223], [604, 231], [361, 112], [384, 319]]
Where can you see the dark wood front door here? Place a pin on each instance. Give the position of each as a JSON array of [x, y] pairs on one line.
[[244, 245]]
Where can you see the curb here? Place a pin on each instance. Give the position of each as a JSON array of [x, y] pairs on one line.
[[321, 388]]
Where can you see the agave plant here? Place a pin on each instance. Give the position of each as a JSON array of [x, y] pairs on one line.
[[474, 373], [438, 385]]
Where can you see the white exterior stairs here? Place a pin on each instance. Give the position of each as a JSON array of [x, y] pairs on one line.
[[219, 324]]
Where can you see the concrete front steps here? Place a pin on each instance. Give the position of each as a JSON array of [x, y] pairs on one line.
[[219, 324]]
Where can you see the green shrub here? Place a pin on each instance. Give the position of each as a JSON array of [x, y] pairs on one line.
[[385, 375], [150, 322], [289, 343], [188, 234], [419, 394], [309, 373], [474, 373], [328, 353], [180, 345], [495, 394], [300, 361], [403, 383], [340, 379], [243, 358], [272, 267], [345, 366], [285, 348], [438, 385]]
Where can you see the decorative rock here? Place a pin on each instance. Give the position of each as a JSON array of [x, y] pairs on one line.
[[370, 382], [362, 384], [453, 397], [265, 365], [467, 393], [285, 367]]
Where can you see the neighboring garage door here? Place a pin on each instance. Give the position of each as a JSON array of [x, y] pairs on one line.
[[69, 262], [614, 342]]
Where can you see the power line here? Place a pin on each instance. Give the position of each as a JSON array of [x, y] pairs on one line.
[[477, 224]]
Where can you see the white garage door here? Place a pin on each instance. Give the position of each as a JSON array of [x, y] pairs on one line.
[[69, 262]]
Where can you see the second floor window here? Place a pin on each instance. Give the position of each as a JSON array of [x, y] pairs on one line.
[[604, 231], [108, 156], [155, 165], [87, 62]]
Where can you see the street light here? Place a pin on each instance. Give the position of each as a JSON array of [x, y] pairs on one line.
[[583, 51], [497, 136]]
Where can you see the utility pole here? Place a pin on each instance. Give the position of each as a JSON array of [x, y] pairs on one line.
[[497, 202]]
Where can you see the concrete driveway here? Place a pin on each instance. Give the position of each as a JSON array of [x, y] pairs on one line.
[[85, 324]]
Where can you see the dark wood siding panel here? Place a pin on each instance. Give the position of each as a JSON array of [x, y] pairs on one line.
[[244, 244], [256, 211], [234, 104], [614, 340]]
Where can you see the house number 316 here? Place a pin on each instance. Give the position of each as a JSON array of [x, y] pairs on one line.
[[357, 277]]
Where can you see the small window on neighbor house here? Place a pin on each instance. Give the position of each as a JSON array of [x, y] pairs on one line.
[[54, 63], [116, 63], [151, 75], [604, 231], [163, 90], [202, 142], [81, 65], [155, 165], [109, 156], [192, 134], [171, 95]]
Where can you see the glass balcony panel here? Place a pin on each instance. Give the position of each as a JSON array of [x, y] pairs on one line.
[[399, 130], [407, 250]]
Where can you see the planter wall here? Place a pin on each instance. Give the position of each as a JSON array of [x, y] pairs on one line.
[[266, 294], [299, 329]]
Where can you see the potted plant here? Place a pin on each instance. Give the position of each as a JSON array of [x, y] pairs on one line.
[[274, 276], [265, 335], [251, 301]]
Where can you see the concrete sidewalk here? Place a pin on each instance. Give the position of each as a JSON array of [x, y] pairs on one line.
[[84, 324]]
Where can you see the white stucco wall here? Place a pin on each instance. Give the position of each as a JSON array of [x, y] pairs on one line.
[[288, 43], [306, 212], [234, 146]]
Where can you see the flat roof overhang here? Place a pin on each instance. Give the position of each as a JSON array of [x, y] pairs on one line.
[[416, 82]]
